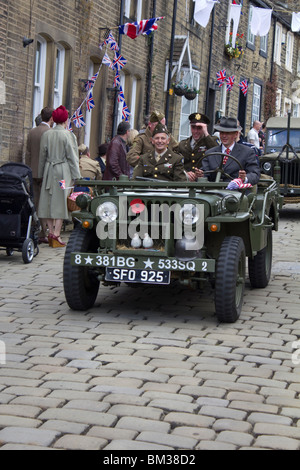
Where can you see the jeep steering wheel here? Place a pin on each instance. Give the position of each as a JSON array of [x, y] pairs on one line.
[[219, 169]]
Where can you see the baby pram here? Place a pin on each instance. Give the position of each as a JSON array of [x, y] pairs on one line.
[[19, 224]]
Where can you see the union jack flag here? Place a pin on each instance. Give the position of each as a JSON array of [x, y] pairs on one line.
[[62, 184], [221, 77], [111, 41], [77, 118], [91, 82], [121, 96], [70, 126], [230, 82], [244, 87], [90, 102], [125, 112], [133, 30], [106, 61], [117, 80], [119, 61]]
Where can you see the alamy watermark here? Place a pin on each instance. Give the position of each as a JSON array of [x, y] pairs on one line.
[[2, 353]]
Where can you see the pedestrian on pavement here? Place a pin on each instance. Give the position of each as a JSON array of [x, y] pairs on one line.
[[229, 131], [161, 163], [194, 147], [101, 159], [59, 167], [252, 136], [32, 160], [116, 164], [143, 142]]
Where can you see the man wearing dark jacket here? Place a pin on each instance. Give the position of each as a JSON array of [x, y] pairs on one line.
[[116, 163]]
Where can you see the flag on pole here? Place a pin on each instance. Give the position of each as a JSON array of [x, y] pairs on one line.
[[90, 102], [133, 30], [221, 77], [230, 82], [77, 118], [62, 184], [244, 87]]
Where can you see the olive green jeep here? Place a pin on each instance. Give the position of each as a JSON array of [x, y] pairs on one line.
[[281, 159], [157, 232]]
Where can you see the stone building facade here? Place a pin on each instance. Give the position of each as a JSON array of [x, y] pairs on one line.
[[65, 53]]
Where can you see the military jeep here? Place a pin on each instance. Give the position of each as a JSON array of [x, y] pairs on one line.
[[281, 158], [157, 232]]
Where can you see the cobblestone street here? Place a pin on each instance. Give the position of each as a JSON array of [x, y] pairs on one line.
[[149, 368]]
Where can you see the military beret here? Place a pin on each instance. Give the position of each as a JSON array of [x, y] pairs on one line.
[[197, 118], [156, 116], [160, 129]]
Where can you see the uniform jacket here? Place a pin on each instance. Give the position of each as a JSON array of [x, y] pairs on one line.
[[142, 144], [89, 168], [193, 155], [116, 164], [168, 168], [33, 147], [59, 160], [243, 153]]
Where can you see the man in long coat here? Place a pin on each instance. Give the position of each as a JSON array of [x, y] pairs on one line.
[[116, 164], [32, 159], [59, 167]]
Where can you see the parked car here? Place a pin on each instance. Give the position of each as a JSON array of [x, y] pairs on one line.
[[155, 232], [281, 158]]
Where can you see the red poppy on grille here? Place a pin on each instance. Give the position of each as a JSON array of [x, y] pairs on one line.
[[137, 206]]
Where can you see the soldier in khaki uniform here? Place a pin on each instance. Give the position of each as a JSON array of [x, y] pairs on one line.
[[195, 146], [161, 162], [89, 168], [142, 143]]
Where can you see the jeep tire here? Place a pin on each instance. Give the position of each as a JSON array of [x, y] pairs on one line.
[[230, 279], [260, 266], [80, 283]]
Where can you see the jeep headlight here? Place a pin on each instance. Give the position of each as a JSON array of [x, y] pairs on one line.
[[230, 203], [267, 167], [108, 212], [189, 214]]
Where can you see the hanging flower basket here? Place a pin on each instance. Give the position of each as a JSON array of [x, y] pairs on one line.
[[191, 93], [179, 88], [234, 52]]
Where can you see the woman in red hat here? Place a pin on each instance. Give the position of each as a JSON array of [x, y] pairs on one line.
[[58, 166]]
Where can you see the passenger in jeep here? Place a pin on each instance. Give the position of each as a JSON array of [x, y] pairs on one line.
[[161, 163]]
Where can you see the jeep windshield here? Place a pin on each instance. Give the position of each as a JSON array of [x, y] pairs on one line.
[[277, 138]]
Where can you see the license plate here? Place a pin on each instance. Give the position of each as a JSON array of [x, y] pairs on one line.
[[137, 275]]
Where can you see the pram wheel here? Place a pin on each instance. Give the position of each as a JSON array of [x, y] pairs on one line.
[[9, 251], [28, 251]]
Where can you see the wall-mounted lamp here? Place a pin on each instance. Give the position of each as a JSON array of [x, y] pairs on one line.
[[27, 41]]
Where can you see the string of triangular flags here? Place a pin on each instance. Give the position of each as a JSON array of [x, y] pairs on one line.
[[132, 30], [222, 78]]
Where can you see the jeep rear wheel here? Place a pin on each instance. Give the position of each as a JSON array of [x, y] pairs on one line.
[[230, 280], [80, 283], [261, 265]]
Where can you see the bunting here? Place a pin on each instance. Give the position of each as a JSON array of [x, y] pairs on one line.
[[90, 102], [244, 87], [146, 27], [221, 77], [230, 82], [78, 119]]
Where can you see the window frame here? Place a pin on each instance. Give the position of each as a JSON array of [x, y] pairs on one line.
[[289, 51], [255, 116], [250, 37], [39, 78], [59, 76], [277, 44]]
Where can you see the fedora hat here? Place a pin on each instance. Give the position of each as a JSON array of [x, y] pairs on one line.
[[228, 124]]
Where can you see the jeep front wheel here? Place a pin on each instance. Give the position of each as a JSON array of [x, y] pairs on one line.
[[230, 280], [81, 284]]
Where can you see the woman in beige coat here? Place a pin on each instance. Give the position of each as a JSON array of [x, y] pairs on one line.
[[58, 166]]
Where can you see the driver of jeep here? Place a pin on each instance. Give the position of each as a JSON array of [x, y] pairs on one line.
[[247, 173], [160, 163]]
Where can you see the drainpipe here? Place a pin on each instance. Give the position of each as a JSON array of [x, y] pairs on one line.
[[171, 60], [209, 59], [115, 115], [150, 63]]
